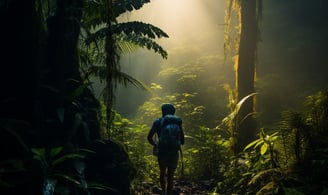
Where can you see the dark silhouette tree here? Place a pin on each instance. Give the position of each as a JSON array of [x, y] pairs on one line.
[[46, 103]]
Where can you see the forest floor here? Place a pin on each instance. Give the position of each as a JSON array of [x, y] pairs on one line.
[[183, 188]]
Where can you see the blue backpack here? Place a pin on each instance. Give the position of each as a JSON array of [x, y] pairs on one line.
[[170, 133]]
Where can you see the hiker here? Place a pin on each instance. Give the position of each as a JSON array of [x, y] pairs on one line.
[[168, 155]]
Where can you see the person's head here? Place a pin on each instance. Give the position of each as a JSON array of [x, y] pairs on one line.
[[167, 109]]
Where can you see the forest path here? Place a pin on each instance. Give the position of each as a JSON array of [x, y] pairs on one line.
[[184, 187]]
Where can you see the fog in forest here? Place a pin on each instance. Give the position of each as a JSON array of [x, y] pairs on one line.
[[289, 67], [195, 30]]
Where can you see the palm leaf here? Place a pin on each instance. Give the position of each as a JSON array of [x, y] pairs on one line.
[[127, 47], [94, 13], [140, 29], [144, 42], [126, 79], [122, 6], [119, 77]]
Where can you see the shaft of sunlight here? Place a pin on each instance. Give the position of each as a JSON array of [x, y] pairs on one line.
[[183, 20]]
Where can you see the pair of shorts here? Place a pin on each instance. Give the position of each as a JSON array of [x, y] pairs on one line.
[[168, 160]]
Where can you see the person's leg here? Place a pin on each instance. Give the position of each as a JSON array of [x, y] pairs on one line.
[[170, 175], [162, 162], [162, 178], [172, 165]]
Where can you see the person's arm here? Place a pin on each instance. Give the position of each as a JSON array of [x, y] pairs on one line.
[[151, 133], [182, 140]]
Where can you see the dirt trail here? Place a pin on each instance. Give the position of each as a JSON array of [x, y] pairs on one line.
[[184, 187]]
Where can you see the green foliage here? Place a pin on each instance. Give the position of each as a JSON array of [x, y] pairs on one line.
[[122, 6], [55, 168], [205, 155], [103, 39], [265, 142], [133, 137], [290, 160], [254, 171], [232, 121]]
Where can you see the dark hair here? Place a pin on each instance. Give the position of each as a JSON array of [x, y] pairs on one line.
[[167, 108]]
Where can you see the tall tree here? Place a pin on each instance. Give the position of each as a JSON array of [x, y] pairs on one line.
[[245, 15], [110, 38]]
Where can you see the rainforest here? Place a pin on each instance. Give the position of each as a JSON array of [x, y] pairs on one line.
[[82, 82]]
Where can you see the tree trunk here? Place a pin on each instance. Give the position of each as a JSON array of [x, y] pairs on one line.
[[246, 72], [72, 117]]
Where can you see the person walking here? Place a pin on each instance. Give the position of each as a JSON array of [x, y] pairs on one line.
[[170, 138]]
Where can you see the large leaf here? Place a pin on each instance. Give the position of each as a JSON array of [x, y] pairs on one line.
[[120, 77], [136, 33], [255, 142], [241, 102], [143, 42], [122, 6], [140, 29], [232, 116]]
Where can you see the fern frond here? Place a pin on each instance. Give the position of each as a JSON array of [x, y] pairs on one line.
[[140, 29], [143, 42], [127, 47], [94, 13], [123, 6], [118, 77], [126, 79]]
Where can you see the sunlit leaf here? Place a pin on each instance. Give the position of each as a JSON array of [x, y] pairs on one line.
[[194, 150], [264, 148], [117, 123], [251, 144], [241, 102], [260, 141]]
